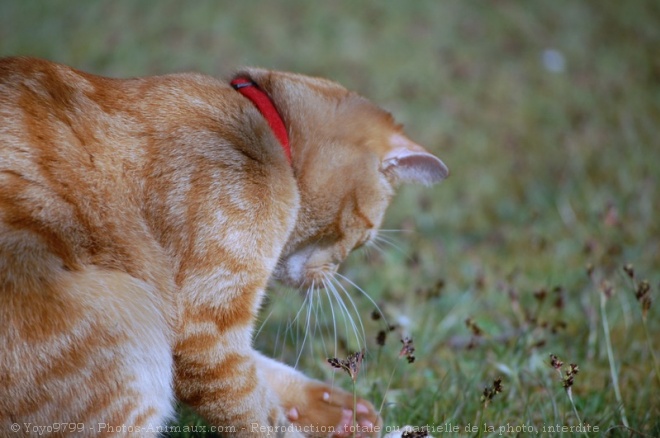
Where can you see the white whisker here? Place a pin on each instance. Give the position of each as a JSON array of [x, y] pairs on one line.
[[279, 337], [308, 302], [318, 326], [263, 323], [363, 292], [357, 313], [389, 242], [332, 312], [347, 314], [330, 288], [374, 244], [295, 319], [367, 249]]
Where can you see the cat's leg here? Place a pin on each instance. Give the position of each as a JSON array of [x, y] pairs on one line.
[[88, 353], [220, 375], [217, 371], [317, 406]]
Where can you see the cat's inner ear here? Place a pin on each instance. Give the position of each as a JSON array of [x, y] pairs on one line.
[[408, 162]]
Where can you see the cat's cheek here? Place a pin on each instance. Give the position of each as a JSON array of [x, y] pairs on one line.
[[303, 272], [287, 276], [295, 266]]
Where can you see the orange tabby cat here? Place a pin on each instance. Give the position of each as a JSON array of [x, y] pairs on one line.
[[140, 221]]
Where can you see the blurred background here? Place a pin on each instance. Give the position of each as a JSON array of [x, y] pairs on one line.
[[548, 115]]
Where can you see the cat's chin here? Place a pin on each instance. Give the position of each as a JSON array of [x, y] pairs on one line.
[[305, 283], [306, 268], [306, 278]]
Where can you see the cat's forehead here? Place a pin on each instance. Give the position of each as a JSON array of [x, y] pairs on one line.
[[370, 126]]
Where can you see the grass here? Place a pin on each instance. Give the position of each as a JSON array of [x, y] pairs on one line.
[[547, 114]]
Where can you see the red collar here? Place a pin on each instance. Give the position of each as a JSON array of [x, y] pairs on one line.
[[266, 107]]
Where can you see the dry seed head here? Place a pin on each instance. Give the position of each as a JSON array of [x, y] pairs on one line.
[[538, 344], [646, 305], [433, 291], [491, 391], [422, 432], [407, 350], [643, 296], [474, 328], [559, 297], [607, 289], [643, 289], [629, 270], [354, 363], [590, 269], [497, 385], [540, 295], [568, 382], [572, 371], [381, 337], [336, 363], [558, 325], [351, 364], [555, 362]]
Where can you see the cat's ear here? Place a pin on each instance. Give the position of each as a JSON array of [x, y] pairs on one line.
[[408, 162]]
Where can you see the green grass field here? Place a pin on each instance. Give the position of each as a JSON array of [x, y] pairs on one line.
[[548, 115]]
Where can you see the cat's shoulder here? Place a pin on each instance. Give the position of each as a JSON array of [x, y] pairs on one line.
[[33, 73]]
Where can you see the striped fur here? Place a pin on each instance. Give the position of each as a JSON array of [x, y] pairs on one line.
[[140, 221]]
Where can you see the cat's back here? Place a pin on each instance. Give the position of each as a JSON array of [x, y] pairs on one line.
[[58, 166], [60, 112], [55, 122], [97, 171], [74, 150]]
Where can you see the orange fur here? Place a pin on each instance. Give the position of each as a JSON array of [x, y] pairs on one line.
[[140, 221]]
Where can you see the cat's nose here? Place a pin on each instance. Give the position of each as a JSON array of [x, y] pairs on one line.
[[325, 269]]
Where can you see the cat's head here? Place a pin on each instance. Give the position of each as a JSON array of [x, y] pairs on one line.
[[349, 156]]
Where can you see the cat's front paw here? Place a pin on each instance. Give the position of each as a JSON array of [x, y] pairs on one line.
[[322, 410]]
